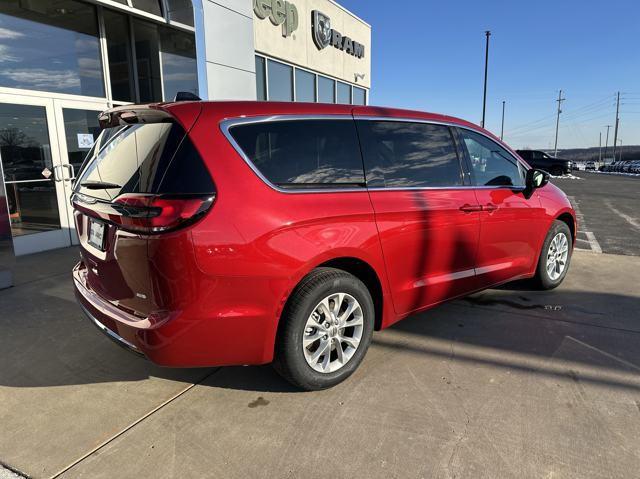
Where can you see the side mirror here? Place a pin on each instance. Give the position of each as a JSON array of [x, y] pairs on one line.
[[536, 178]]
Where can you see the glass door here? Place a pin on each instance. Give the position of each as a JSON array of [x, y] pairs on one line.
[[43, 143], [78, 128], [33, 174]]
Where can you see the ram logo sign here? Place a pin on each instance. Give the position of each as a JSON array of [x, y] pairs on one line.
[[280, 12], [324, 35]]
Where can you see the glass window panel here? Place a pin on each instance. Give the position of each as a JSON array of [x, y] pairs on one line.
[[119, 49], [24, 142], [280, 82], [26, 155], [33, 207], [180, 11], [151, 6], [303, 153], [179, 66], [305, 86], [261, 84], [359, 96], [326, 90], [402, 154], [148, 61], [79, 122], [50, 46], [492, 165], [344, 93]]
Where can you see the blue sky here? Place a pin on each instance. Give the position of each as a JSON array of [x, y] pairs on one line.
[[429, 55]]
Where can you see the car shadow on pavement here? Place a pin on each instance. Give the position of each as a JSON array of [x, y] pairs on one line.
[[52, 344]]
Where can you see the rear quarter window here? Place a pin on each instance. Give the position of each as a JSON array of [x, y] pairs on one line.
[[297, 154]]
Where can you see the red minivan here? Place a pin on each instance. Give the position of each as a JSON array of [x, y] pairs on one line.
[[229, 233]]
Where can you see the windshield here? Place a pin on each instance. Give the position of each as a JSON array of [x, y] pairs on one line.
[[142, 158]]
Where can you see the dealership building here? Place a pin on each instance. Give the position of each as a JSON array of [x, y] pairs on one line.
[[64, 61]]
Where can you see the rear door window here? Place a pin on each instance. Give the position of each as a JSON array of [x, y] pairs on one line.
[[156, 158], [409, 154], [491, 165], [298, 154]]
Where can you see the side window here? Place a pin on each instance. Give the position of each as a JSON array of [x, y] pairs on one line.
[[408, 154], [492, 165], [303, 153]]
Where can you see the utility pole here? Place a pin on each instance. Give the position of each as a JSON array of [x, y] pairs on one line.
[[615, 130], [486, 72], [606, 143], [502, 127], [600, 148], [559, 100]]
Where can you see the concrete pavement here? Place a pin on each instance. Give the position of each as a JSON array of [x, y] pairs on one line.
[[507, 383]]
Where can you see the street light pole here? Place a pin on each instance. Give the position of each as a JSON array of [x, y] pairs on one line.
[[600, 148], [486, 72], [615, 129], [502, 127]]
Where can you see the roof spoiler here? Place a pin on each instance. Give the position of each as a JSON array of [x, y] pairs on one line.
[[186, 96], [132, 114]]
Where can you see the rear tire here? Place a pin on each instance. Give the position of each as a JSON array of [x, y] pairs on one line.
[[325, 330], [555, 257], [557, 171]]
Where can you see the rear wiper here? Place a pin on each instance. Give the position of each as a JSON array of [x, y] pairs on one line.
[[99, 185]]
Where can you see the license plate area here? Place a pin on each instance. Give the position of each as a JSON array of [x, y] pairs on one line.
[[96, 237]]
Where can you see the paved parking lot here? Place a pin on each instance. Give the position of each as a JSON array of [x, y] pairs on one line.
[[506, 383], [610, 207]]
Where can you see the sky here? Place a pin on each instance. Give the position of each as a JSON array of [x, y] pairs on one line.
[[429, 55]]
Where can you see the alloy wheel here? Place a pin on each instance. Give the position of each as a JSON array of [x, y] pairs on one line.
[[557, 256], [333, 332]]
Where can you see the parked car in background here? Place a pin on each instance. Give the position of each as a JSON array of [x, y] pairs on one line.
[[234, 233], [540, 159], [635, 167], [590, 165]]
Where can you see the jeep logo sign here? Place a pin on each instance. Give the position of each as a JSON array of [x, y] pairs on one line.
[[280, 12], [324, 35]]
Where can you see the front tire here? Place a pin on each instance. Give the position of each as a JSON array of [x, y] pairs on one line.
[[325, 329], [555, 257]]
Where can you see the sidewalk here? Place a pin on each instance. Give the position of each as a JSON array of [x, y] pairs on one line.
[[508, 383]]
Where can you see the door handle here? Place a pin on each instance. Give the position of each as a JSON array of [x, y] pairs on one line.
[[467, 208], [72, 172], [57, 177], [490, 207]]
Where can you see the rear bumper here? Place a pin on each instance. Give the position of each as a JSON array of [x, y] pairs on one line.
[[119, 340], [193, 338]]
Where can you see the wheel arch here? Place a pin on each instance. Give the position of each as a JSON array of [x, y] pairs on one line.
[[361, 269], [570, 221]]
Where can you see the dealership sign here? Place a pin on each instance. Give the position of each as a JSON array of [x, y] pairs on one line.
[[324, 35], [280, 12]]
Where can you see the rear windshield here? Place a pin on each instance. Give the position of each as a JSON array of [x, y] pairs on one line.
[[156, 158]]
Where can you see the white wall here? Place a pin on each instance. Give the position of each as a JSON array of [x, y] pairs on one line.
[[300, 49], [225, 49]]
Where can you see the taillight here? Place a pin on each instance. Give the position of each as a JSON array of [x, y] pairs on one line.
[[144, 213]]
